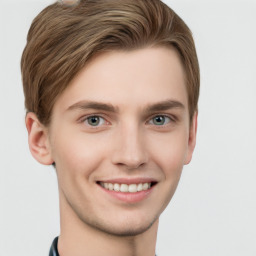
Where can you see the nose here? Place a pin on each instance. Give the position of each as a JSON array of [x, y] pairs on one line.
[[129, 148]]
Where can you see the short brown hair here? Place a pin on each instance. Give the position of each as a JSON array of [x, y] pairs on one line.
[[63, 38]]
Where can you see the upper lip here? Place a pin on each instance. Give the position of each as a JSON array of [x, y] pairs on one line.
[[129, 180]]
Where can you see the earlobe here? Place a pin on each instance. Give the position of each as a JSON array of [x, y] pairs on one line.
[[38, 140], [192, 138]]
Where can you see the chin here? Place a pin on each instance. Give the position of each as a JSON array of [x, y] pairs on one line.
[[123, 228]]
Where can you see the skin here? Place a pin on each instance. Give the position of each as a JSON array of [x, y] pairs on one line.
[[133, 140]]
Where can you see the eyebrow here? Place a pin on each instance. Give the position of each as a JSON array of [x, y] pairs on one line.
[[84, 105], [164, 105], [159, 106]]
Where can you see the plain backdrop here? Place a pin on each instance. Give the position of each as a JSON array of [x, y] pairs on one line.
[[213, 212]]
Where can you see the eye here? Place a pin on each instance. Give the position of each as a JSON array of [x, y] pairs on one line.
[[160, 120], [94, 120]]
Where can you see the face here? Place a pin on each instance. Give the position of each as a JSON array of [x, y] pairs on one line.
[[119, 136]]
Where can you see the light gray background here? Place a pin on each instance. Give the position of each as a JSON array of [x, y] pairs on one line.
[[213, 212]]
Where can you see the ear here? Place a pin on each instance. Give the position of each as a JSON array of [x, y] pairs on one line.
[[192, 138], [38, 140]]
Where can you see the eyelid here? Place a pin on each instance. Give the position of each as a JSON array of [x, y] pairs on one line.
[[171, 117], [86, 117], [82, 119]]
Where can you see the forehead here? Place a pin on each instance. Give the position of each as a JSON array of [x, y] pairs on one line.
[[123, 78]]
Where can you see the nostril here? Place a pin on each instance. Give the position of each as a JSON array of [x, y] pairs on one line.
[[134, 166], [130, 154]]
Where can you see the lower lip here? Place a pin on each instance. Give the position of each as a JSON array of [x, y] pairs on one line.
[[129, 197]]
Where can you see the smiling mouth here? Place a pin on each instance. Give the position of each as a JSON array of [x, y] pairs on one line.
[[127, 188]]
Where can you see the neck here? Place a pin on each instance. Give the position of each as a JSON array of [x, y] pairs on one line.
[[80, 239]]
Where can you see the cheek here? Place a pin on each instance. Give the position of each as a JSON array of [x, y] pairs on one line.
[[78, 154], [170, 152], [169, 155]]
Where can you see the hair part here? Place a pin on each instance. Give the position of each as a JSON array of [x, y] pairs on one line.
[[63, 38]]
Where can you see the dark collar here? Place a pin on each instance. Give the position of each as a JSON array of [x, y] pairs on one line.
[[53, 249]]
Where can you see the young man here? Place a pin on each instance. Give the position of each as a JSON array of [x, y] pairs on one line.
[[111, 90]]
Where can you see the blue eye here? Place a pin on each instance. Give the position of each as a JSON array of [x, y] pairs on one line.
[[94, 120], [160, 120]]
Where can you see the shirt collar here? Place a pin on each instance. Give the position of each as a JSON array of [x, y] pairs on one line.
[[54, 249]]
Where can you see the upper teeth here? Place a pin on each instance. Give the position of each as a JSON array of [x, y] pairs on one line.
[[132, 188]]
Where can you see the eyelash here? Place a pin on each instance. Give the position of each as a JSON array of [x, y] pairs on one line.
[[86, 118], [172, 119], [164, 116]]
